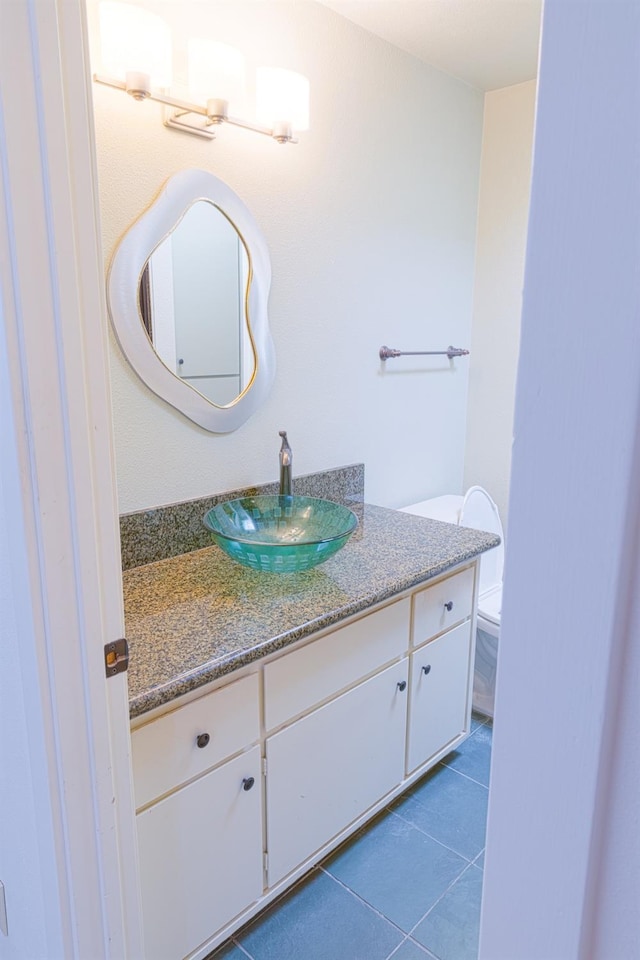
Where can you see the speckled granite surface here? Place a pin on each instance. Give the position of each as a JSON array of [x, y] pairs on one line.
[[150, 535], [199, 616]]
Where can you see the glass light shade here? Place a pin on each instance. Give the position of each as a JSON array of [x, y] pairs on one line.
[[216, 70], [134, 40], [282, 96]]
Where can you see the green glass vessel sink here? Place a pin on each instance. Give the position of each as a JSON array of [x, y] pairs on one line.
[[280, 534]]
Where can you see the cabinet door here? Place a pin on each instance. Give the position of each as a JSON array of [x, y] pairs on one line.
[[200, 858], [329, 767], [439, 694]]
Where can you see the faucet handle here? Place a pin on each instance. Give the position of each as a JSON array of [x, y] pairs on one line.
[[286, 454]]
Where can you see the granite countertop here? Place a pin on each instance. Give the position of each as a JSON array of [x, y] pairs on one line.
[[193, 618]]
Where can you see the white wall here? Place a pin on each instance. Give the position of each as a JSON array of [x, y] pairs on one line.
[[503, 210], [370, 222], [563, 845]]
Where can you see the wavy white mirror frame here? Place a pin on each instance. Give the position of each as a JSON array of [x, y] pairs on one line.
[[129, 260]]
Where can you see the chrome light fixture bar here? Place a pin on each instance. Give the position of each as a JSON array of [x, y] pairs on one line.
[[182, 114]]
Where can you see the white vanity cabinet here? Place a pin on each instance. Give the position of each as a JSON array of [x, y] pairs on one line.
[[324, 733], [201, 823]]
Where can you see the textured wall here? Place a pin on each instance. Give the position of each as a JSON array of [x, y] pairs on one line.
[[503, 211], [370, 223]]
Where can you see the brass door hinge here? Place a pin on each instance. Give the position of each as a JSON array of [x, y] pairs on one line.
[[116, 657]]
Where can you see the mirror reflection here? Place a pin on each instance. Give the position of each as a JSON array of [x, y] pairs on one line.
[[192, 299]]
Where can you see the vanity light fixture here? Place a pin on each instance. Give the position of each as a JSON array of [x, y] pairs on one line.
[[136, 52]]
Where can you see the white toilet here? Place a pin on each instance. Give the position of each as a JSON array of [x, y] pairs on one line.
[[477, 510]]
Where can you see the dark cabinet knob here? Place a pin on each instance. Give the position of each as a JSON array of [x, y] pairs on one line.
[[427, 669], [449, 605], [203, 739], [402, 686], [248, 782]]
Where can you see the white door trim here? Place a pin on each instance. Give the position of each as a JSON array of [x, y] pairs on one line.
[[59, 492], [563, 845]]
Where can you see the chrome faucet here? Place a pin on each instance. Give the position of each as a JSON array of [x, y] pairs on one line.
[[286, 458]]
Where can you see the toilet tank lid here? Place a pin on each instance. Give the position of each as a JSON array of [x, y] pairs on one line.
[[445, 508]]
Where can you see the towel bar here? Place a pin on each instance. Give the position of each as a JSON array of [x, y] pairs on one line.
[[386, 353]]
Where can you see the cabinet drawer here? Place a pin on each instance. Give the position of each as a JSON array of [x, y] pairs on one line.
[[166, 753], [441, 606], [297, 681]]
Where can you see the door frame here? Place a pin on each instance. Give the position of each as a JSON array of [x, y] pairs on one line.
[[563, 846], [74, 794]]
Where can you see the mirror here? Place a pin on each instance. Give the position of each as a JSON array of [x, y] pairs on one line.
[[192, 297], [187, 293]]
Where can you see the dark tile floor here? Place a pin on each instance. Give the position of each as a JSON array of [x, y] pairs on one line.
[[405, 887]]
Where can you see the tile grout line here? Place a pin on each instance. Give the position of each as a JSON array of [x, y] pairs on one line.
[[482, 727], [259, 918], [481, 723], [432, 908], [366, 903], [474, 862], [428, 954], [406, 934], [465, 775], [395, 949], [435, 839], [241, 948]]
